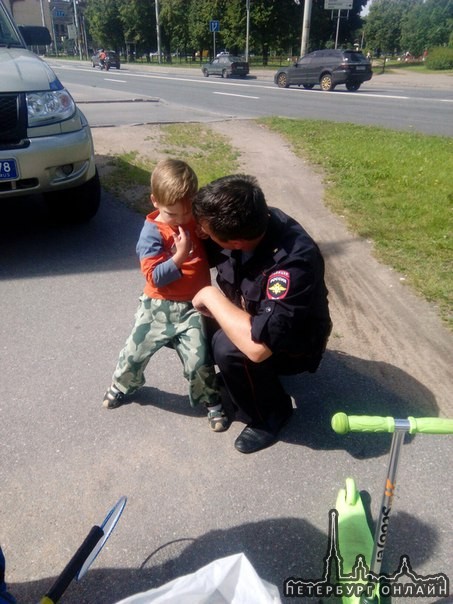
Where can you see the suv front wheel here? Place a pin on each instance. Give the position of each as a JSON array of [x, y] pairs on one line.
[[326, 82], [77, 205]]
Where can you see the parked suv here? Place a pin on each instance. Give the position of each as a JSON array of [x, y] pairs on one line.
[[45, 140], [328, 68]]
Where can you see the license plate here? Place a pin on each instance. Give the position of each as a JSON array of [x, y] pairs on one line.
[[360, 68], [8, 169]]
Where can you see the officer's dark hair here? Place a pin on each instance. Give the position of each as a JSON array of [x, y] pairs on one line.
[[233, 206]]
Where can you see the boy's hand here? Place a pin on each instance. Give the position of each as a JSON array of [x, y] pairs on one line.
[[183, 246]]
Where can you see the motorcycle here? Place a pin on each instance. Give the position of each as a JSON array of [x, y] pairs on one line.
[[104, 63]]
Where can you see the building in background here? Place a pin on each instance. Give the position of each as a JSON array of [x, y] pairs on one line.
[[30, 12], [63, 18]]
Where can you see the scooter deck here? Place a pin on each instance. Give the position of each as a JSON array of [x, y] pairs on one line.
[[355, 540]]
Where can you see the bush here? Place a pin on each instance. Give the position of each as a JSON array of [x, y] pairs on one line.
[[440, 57]]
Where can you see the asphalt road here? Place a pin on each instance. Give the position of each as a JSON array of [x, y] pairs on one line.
[[162, 94], [67, 299]]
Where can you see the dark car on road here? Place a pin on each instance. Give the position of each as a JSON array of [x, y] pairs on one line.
[[110, 55], [328, 69], [226, 66]]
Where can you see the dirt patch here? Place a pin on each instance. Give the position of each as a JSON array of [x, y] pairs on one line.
[[112, 144], [376, 317]]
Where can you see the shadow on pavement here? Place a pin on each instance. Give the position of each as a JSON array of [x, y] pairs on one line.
[[277, 548], [357, 387], [342, 383], [27, 232]]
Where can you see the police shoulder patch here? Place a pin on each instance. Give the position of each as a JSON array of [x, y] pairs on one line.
[[278, 285]]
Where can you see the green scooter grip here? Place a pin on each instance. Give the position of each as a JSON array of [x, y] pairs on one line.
[[342, 424], [430, 425]]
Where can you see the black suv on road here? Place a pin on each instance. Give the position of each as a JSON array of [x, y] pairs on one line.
[[328, 68]]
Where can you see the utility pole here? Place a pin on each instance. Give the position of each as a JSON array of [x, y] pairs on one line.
[[54, 31], [247, 7], [77, 28], [159, 58], [306, 27], [338, 28]]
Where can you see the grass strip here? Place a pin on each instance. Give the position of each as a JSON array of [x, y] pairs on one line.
[[395, 188]]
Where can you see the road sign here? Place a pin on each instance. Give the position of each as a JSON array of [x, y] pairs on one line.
[[72, 35], [59, 13], [214, 26], [338, 4]]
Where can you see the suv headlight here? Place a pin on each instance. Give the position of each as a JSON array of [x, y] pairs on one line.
[[49, 107]]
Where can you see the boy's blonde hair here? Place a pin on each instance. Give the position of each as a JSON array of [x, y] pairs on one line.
[[173, 181]]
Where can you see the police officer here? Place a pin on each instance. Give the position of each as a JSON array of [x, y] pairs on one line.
[[271, 311]]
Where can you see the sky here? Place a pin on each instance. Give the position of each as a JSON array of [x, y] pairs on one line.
[[366, 9]]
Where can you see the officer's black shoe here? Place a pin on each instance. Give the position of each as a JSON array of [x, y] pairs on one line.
[[254, 438]]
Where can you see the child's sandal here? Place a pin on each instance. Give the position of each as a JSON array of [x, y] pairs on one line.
[[113, 398], [218, 420]]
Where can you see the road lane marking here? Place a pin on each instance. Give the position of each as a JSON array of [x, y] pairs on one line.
[[243, 96], [112, 80]]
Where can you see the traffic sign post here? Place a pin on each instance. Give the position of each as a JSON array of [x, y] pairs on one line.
[[214, 26], [337, 5]]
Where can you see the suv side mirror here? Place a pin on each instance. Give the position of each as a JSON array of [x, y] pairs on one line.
[[35, 35]]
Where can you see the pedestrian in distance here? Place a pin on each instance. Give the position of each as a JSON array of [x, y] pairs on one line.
[[174, 264], [270, 310]]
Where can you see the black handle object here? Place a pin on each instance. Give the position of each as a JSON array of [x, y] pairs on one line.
[[75, 564]]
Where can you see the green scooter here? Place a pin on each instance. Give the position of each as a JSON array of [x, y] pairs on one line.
[[361, 553]]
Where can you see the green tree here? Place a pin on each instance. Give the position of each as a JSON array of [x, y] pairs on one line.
[[234, 25], [138, 18], [104, 23], [384, 22], [199, 14], [426, 25], [174, 26]]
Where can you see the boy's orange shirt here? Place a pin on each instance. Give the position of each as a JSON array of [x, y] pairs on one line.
[[164, 280]]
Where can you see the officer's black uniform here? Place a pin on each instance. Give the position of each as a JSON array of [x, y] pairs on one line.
[[282, 286]]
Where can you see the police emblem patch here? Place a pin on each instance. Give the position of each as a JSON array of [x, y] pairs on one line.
[[278, 285]]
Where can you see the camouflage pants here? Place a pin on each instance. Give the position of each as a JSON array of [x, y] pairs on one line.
[[163, 322]]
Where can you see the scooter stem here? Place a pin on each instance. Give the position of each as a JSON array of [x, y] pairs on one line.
[[402, 426]]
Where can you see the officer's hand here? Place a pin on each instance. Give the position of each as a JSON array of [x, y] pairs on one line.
[[199, 304]]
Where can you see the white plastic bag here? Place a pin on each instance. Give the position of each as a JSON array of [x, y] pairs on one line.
[[230, 580]]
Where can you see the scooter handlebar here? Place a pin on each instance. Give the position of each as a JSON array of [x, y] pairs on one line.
[[342, 424], [430, 425]]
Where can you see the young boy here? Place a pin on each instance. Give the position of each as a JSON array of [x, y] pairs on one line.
[[174, 264]]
